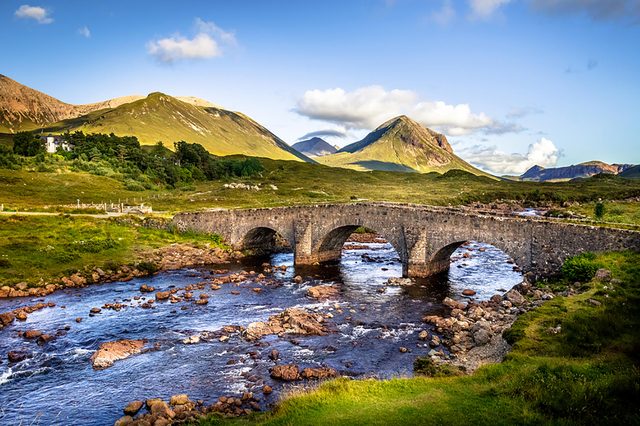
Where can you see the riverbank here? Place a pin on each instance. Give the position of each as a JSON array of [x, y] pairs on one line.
[[41, 254], [573, 360]]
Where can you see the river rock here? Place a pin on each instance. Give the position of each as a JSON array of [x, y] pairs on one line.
[[423, 335], [397, 281], [162, 295], [147, 289], [95, 310], [180, 399], [7, 318], [191, 340], [468, 292], [266, 389], [603, 275], [132, 408], [290, 321], [319, 373], [21, 315], [323, 291], [32, 334], [297, 279], [110, 352], [161, 409], [16, 356], [514, 297], [124, 421], [287, 372]]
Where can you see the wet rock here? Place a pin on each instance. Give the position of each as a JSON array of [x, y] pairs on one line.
[[266, 389], [7, 318], [16, 356], [124, 421], [290, 321], [147, 289], [110, 352], [423, 335], [202, 301], [191, 340], [396, 281], [320, 373], [287, 372], [95, 310], [133, 407], [403, 350], [274, 355], [162, 295], [297, 279], [32, 334], [453, 304], [180, 399], [161, 409], [468, 292], [323, 292], [79, 319], [21, 315]]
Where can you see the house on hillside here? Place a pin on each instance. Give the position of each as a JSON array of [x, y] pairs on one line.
[[52, 143]]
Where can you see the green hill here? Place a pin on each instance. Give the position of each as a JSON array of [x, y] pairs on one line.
[[631, 172], [160, 117], [400, 145]]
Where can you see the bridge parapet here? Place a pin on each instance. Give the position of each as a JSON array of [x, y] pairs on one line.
[[423, 236]]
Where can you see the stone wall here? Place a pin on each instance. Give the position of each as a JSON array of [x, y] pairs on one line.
[[424, 237]]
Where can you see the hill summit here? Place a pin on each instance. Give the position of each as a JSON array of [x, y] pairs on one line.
[[314, 147], [400, 144]]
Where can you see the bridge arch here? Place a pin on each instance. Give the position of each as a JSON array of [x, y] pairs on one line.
[[264, 239]]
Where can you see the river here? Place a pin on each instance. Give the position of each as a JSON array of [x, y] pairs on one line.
[[57, 384]]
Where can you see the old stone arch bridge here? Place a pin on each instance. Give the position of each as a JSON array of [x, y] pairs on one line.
[[424, 237]]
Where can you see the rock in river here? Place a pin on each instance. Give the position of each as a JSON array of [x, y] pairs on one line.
[[133, 407], [110, 352], [287, 372], [290, 321], [323, 291]]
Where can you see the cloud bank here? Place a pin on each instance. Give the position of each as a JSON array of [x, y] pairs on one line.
[[37, 13], [543, 153], [368, 107], [205, 44]]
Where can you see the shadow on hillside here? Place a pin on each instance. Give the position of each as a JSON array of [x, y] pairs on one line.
[[384, 166]]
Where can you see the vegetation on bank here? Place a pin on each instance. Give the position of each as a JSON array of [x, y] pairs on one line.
[[34, 249], [574, 361]]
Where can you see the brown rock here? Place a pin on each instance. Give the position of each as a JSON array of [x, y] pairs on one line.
[[110, 352], [16, 356], [146, 289], [161, 409], [133, 407], [290, 321], [323, 292], [32, 334], [95, 310], [287, 372], [124, 421], [21, 315], [468, 292], [180, 399], [162, 295], [320, 373], [7, 318], [266, 389], [297, 279]]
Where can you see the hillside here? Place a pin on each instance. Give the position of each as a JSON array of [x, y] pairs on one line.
[[157, 117], [314, 147], [582, 170], [632, 172], [401, 145]]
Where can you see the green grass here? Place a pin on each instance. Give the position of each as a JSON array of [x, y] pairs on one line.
[[614, 211], [298, 183], [37, 248], [587, 374]]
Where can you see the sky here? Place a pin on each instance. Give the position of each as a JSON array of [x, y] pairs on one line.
[[511, 83]]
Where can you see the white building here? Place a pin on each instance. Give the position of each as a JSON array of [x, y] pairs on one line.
[[52, 143]]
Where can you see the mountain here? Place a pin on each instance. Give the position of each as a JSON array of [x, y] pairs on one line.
[[632, 172], [314, 147], [157, 117], [582, 170], [402, 145]]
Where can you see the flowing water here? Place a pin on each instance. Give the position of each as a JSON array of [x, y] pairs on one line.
[[57, 384]]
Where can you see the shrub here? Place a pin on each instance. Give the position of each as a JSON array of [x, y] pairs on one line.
[[425, 366], [580, 268], [598, 210], [148, 267]]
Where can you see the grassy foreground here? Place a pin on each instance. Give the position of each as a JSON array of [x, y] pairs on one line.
[[586, 374], [34, 249]]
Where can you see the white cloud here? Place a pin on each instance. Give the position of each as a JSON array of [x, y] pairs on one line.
[[543, 153], [205, 44], [84, 32], [445, 14], [484, 9], [370, 106], [37, 13]]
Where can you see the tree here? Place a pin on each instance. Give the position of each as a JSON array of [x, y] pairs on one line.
[[27, 144], [598, 210]]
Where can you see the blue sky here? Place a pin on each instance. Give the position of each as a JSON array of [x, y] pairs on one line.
[[512, 83]]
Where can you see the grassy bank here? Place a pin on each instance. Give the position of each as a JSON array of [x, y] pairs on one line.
[[34, 249], [588, 373], [33, 187]]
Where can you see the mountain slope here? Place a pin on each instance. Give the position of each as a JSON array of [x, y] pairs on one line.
[[314, 147], [632, 172], [582, 170], [403, 145], [160, 117], [157, 117]]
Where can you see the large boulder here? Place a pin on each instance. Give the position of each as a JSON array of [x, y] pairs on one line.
[[514, 297], [7, 318], [287, 372], [290, 321], [319, 373], [133, 407], [110, 352]]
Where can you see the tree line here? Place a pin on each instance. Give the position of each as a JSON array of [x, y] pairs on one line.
[[98, 152]]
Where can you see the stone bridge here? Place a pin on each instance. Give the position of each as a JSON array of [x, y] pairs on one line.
[[424, 237]]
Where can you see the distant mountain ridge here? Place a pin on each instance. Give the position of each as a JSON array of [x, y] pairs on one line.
[[156, 117], [400, 144], [314, 147], [582, 170]]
